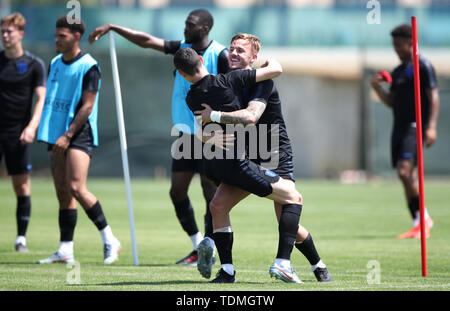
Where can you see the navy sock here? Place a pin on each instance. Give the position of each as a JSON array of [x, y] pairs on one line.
[[23, 213], [308, 249], [224, 245], [186, 217], [95, 213], [414, 206], [287, 229], [67, 220]]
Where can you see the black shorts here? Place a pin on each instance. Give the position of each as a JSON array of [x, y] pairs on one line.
[[83, 140], [285, 167], [184, 158], [244, 174], [404, 145], [17, 156]]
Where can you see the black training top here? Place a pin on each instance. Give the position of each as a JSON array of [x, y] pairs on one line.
[[267, 92], [403, 89], [219, 91], [18, 79], [223, 65]]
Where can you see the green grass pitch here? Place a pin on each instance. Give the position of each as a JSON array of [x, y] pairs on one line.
[[352, 225]]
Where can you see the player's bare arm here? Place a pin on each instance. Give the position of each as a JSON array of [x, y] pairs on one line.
[[139, 38], [217, 137], [431, 131], [63, 142], [269, 70], [384, 96], [250, 115], [29, 133]]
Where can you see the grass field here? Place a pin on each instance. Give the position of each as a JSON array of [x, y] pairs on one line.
[[351, 225]]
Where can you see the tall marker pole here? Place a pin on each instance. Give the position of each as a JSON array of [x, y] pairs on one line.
[[123, 143], [423, 238]]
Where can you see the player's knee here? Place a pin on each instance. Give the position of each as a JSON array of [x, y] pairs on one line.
[[403, 173], [217, 206], [77, 190], [209, 188]]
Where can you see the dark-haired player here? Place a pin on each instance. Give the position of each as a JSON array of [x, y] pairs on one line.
[[264, 110], [238, 171], [22, 75], [400, 98], [197, 27], [69, 127]]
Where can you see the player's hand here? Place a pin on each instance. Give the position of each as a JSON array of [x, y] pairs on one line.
[[99, 32], [430, 136], [376, 80], [61, 145], [205, 114], [221, 140], [27, 136]]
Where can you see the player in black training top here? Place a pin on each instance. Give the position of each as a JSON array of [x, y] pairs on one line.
[[22, 75], [263, 108], [197, 27], [401, 99], [219, 92]]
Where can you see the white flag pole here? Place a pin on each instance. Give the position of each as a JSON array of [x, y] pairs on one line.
[[123, 142]]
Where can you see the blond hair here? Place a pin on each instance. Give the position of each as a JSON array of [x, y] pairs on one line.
[[252, 39], [16, 19]]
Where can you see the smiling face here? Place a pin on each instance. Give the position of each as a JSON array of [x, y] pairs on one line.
[[11, 35], [242, 54], [65, 40]]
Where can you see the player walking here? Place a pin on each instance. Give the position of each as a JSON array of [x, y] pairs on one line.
[[401, 99], [22, 75]]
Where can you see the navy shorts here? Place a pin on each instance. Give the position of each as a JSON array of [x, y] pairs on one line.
[[285, 168], [404, 146], [17, 156], [244, 174], [83, 140], [186, 162]]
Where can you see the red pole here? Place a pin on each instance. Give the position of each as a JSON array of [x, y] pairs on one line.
[[423, 238]]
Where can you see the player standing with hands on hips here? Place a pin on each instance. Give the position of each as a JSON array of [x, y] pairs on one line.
[[22, 75], [401, 99], [197, 27], [69, 127]]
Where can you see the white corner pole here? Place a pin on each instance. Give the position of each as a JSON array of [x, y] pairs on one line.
[[123, 143]]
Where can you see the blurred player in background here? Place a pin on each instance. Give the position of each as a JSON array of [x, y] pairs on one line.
[[69, 127], [197, 27], [22, 75], [264, 108], [400, 98]]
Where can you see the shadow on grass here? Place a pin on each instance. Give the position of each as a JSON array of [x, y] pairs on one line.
[[156, 283]]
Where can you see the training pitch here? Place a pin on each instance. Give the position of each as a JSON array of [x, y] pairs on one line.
[[354, 228]]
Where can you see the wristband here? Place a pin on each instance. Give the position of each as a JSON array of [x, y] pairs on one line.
[[215, 116]]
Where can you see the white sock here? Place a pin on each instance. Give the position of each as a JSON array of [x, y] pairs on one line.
[[21, 240], [228, 268], [416, 221], [196, 239], [285, 263], [65, 248], [107, 235], [320, 264]]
